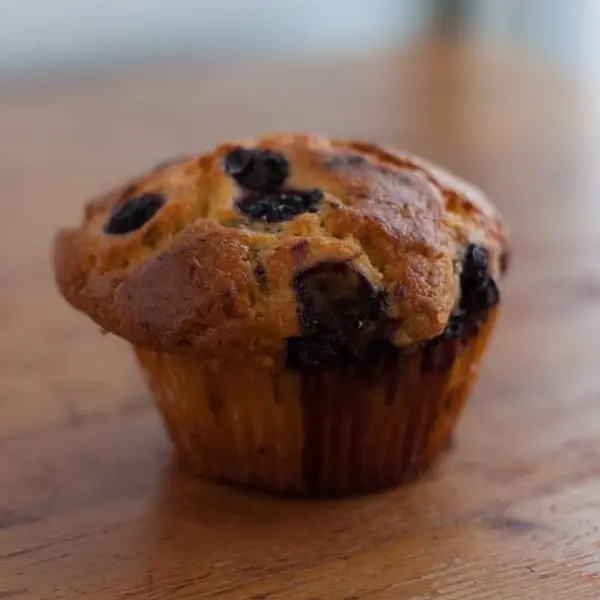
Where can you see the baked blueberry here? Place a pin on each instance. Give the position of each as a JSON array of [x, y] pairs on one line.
[[455, 324], [478, 289], [133, 213], [255, 169], [341, 316], [279, 206], [478, 293]]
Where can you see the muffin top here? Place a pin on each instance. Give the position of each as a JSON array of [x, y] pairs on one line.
[[292, 244]]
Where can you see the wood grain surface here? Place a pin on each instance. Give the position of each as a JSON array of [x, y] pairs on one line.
[[91, 503]]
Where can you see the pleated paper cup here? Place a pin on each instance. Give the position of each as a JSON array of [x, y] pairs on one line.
[[338, 432]]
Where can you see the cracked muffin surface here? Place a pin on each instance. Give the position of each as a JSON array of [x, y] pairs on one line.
[[288, 243]]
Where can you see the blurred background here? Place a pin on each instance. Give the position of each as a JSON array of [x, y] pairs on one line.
[[39, 37]]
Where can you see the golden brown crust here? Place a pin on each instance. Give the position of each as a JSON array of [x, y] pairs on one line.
[[199, 277]]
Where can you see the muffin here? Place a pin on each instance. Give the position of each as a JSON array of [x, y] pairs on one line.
[[309, 313]]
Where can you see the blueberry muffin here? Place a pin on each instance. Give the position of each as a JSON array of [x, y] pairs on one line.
[[309, 313]]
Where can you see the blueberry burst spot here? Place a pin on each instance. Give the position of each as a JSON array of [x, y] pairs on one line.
[[279, 206], [478, 290], [478, 294], [255, 169], [341, 316], [133, 213]]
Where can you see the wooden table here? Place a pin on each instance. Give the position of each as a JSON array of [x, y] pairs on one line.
[[91, 503]]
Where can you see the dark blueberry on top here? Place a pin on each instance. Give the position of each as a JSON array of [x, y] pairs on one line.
[[133, 213], [255, 169], [479, 292], [279, 206], [341, 316], [455, 325], [478, 289]]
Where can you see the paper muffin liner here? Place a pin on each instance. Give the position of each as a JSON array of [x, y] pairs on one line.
[[343, 431]]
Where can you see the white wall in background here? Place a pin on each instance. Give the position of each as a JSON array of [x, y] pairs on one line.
[[495, 19], [590, 35], [566, 31], [39, 34]]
